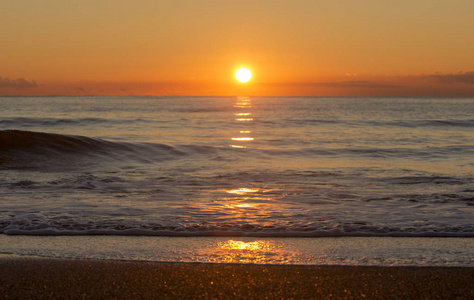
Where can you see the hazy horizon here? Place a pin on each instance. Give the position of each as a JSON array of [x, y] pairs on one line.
[[193, 48]]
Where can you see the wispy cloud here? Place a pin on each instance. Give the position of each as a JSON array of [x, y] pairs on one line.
[[20, 83], [420, 85], [358, 84], [345, 84], [461, 77]]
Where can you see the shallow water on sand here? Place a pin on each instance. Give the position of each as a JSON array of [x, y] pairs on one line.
[[349, 251]]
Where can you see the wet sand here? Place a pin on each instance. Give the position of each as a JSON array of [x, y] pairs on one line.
[[73, 279]]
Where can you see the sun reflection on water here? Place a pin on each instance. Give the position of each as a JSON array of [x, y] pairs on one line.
[[242, 138], [243, 104], [248, 198], [245, 205], [242, 191]]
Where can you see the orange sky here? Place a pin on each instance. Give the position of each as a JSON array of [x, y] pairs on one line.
[[194, 47]]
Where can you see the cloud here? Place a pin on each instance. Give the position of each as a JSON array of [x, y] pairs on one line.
[[348, 84], [461, 77], [359, 84], [20, 83]]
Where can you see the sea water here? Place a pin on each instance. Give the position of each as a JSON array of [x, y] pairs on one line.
[[237, 167]]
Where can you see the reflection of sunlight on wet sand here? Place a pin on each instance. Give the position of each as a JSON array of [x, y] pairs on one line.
[[255, 252], [260, 251], [240, 245]]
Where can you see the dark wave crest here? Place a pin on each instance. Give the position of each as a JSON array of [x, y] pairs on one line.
[[465, 123], [71, 227], [377, 152], [21, 122], [23, 147]]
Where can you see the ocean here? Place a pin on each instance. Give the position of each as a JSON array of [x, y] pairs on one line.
[[235, 170]]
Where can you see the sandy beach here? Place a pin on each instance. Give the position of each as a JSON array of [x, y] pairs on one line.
[[73, 279]]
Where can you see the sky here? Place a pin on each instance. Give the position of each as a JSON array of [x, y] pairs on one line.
[[194, 47]]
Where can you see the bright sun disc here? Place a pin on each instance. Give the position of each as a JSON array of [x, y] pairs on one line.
[[243, 75]]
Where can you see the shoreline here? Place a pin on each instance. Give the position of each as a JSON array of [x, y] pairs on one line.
[[29, 278], [349, 251]]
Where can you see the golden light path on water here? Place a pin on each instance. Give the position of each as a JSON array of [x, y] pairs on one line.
[[244, 205], [243, 105], [250, 198], [243, 102], [242, 191], [254, 198]]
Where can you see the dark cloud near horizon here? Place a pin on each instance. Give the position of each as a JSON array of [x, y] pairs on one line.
[[461, 77], [359, 84], [347, 84], [20, 83]]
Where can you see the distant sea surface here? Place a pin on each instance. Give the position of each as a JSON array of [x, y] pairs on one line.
[[237, 166]]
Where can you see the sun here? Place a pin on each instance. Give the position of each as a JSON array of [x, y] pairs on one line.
[[243, 75]]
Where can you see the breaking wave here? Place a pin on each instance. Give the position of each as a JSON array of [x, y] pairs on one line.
[[69, 227], [18, 146]]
